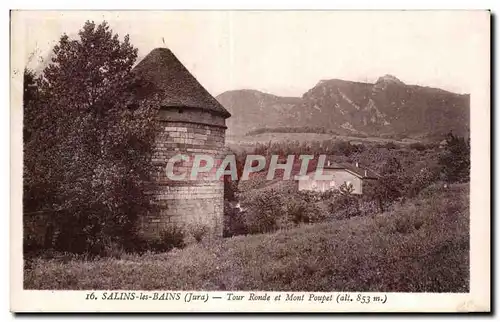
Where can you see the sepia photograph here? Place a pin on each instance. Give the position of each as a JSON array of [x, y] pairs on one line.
[[267, 156]]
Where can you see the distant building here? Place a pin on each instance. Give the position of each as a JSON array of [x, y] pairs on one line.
[[349, 174]]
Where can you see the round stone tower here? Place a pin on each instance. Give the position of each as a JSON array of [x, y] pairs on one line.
[[192, 123]]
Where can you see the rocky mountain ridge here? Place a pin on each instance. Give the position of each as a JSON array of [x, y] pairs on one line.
[[386, 107]]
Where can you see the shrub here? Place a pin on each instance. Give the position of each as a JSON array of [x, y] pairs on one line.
[[346, 189], [314, 196], [346, 148], [344, 206], [234, 220], [390, 146], [424, 178], [300, 209], [198, 231], [368, 207], [230, 188], [455, 159], [114, 250], [265, 211], [169, 238], [270, 210], [418, 146], [437, 188]]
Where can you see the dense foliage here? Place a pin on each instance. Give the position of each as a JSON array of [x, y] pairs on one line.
[[88, 139], [286, 129], [404, 172], [87, 144], [421, 246], [455, 160]]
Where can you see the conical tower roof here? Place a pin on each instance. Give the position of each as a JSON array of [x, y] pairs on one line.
[[175, 84]]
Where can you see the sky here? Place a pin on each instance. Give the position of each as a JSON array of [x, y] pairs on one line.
[[288, 52]]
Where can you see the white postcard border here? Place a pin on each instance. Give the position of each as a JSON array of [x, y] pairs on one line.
[[477, 300]]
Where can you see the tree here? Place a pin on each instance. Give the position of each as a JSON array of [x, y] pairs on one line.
[[391, 166], [422, 179], [344, 203], [36, 190], [455, 159], [30, 112], [346, 188], [266, 211], [30, 99], [93, 141], [390, 187]]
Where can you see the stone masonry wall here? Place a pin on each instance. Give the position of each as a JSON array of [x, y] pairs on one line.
[[189, 203]]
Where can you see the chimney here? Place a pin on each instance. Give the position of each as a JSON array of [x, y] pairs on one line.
[[357, 165], [366, 174], [328, 164]]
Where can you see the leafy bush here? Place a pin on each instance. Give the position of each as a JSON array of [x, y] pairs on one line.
[[265, 212], [455, 159], [198, 231], [344, 206], [231, 186], [169, 238], [301, 209], [268, 210], [315, 196], [390, 145], [418, 146], [424, 178], [234, 220]]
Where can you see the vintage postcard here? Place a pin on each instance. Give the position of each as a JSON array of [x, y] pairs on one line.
[[250, 161]]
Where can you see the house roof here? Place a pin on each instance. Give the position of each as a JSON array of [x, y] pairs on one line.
[[359, 171], [174, 83]]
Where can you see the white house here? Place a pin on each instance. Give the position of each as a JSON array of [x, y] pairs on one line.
[[354, 175]]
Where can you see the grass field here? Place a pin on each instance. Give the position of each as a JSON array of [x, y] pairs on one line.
[[421, 246]]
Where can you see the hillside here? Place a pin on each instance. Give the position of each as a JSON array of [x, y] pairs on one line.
[[387, 107], [421, 246], [252, 109]]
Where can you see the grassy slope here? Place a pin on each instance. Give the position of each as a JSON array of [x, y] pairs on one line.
[[420, 246]]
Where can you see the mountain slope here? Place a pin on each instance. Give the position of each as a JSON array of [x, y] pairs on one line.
[[252, 109], [386, 107]]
